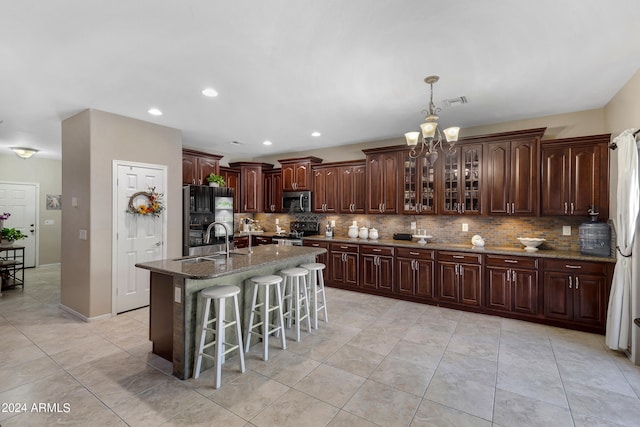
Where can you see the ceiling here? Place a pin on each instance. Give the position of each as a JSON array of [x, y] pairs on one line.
[[352, 70]]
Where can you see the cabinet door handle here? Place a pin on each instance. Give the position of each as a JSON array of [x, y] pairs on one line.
[[315, 244], [344, 247], [414, 253], [462, 208], [245, 207], [377, 250], [577, 282], [571, 208], [384, 208], [513, 276], [414, 264], [508, 211], [513, 208], [509, 276], [511, 261], [459, 256], [565, 208], [353, 207], [573, 266], [457, 274], [344, 257], [570, 282]]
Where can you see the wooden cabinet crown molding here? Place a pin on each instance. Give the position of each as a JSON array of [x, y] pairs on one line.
[[309, 159], [589, 139], [201, 153]]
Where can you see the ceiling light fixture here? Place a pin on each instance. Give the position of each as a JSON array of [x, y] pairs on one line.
[[267, 143], [431, 139], [316, 134], [24, 152], [210, 92], [155, 112]]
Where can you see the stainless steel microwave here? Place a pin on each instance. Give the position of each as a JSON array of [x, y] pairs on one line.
[[296, 201]]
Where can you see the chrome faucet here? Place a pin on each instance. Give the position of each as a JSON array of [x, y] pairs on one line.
[[207, 237]]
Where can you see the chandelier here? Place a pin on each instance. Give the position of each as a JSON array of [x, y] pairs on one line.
[[431, 140]]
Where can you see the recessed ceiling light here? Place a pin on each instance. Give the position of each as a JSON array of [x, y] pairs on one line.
[[267, 143], [210, 92], [316, 134], [155, 112]]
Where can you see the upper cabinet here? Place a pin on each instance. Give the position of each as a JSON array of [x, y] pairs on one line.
[[232, 180], [296, 173], [382, 180], [575, 175], [461, 173], [325, 189], [352, 187], [417, 182], [251, 185], [511, 173], [196, 167], [272, 190]]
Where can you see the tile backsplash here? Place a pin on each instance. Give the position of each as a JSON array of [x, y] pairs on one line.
[[496, 231]]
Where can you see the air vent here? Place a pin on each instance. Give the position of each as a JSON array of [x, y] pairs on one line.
[[460, 100], [236, 143]]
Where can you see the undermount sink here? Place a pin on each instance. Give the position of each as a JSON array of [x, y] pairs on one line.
[[208, 258]]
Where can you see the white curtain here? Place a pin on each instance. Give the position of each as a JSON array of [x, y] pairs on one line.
[[628, 197]]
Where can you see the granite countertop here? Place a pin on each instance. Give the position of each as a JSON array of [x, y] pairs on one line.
[[197, 267], [513, 251]]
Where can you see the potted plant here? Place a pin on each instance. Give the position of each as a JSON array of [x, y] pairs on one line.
[[10, 235], [215, 180]]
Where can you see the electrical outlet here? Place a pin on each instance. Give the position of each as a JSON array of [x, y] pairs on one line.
[[566, 230], [465, 227], [48, 222], [177, 295]]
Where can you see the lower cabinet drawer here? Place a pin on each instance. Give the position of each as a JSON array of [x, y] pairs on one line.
[[575, 266], [511, 261], [415, 253], [377, 250], [460, 257], [344, 247]]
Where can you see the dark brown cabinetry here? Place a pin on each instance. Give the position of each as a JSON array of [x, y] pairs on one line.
[[376, 268], [460, 278], [575, 175], [512, 284], [262, 240], [575, 292], [418, 182], [197, 166], [296, 173], [511, 177], [325, 189], [382, 181], [352, 191], [343, 265], [251, 185], [322, 258], [232, 180], [272, 190], [460, 187], [415, 273]]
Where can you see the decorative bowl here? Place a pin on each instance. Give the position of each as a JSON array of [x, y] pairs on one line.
[[531, 243], [422, 238]]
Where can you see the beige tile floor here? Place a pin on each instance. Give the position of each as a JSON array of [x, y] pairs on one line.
[[378, 362]]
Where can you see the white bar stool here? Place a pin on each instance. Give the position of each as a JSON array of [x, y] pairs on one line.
[[218, 294], [263, 310], [316, 285], [294, 298]]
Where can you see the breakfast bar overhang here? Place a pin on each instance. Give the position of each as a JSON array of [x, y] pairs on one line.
[[175, 284]]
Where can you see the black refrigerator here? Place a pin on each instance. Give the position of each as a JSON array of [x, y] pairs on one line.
[[203, 205]]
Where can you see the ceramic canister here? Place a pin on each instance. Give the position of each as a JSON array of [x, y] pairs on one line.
[[364, 233], [373, 234], [353, 231]]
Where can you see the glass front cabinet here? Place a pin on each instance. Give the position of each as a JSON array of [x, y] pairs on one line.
[[419, 177], [461, 173]]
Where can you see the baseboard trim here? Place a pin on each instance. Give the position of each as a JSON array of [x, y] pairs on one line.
[[82, 316]]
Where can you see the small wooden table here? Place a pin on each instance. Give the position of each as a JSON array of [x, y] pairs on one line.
[[11, 267]]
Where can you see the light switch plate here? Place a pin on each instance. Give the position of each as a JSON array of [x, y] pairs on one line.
[[177, 295], [566, 230], [465, 227], [83, 235]]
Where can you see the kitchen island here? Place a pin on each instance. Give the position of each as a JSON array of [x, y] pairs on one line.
[[175, 307]]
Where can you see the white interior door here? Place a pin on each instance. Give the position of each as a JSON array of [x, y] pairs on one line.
[[139, 238], [20, 200]]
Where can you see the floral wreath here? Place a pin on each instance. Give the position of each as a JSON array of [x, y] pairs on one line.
[[153, 205]]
